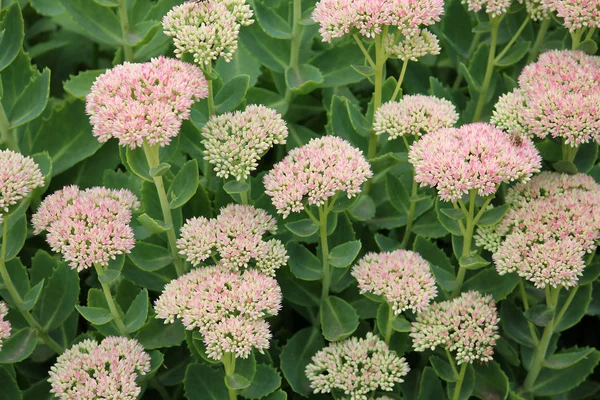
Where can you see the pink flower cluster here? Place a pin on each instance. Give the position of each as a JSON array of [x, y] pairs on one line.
[[19, 175], [554, 220], [317, 171], [356, 368], [4, 324], [577, 14], [87, 226], [144, 102], [108, 370], [467, 325], [207, 29], [494, 8], [414, 115], [234, 142], [370, 17], [236, 236], [228, 307], [402, 277], [413, 47], [473, 157], [538, 10], [558, 96]]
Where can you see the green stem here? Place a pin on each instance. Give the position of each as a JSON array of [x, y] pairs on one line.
[[590, 33], [576, 38], [400, 80], [467, 239], [459, 383], [542, 348], [378, 92], [513, 39], [244, 195], [211, 111], [537, 45], [5, 132], [153, 158], [362, 48], [324, 251], [532, 330], [459, 76], [451, 361], [388, 326], [127, 49], [569, 152], [18, 301], [111, 302], [296, 41], [411, 215], [228, 361], [489, 69], [565, 306]]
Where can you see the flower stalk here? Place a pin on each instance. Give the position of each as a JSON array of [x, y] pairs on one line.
[[110, 301], [124, 20], [228, 361], [296, 41], [483, 93], [459, 382], [323, 212]]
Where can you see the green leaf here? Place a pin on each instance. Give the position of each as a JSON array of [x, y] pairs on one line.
[[577, 308], [211, 385], [565, 167], [586, 157], [278, 395], [336, 64], [452, 213], [184, 185], [490, 381], [31, 101], [299, 292], [448, 223], [338, 319], [66, 147], [156, 334], [303, 79], [16, 238], [397, 193], [32, 296], [443, 369], [59, 296], [343, 255], [96, 22], [295, 356], [363, 209], [272, 53], [242, 63], [232, 94], [364, 70], [150, 257], [430, 387], [95, 315], [539, 314], [303, 227], [589, 46], [151, 224], [515, 54], [11, 23], [8, 382], [161, 170], [266, 380], [304, 264], [555, 381], [428, 225], [112, 272], [236, 382], [467, 387], [473, 262], [236, 187], [18, 346], [432, 253], [489, 282], [137, 312], [567, 358], [493, 215], [271, 22], [514, 323], [401, 324]]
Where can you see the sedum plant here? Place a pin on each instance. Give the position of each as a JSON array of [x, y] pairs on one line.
[[285, 199]]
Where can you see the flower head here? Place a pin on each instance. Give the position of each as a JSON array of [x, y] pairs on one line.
[[316, 171], [207, 29], [474, 157], [228, 307], [144, 102], [467, 325], [19, 175], [237, 237], [356, 367], [494, 8], [369, 17], [414, 115], [577, 14], [234, 142], [89, 371], [87, 226], [402, 277], [538, 10], [558, 96], [4, 324], [413, 47], [554, 220]]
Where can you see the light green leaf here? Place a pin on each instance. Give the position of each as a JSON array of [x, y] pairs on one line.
[[79, 85], [304, 264], [32, 100], [95, 315], [303, 79], [11, 22], [211, 386], [295, 356], [343, 255], [16, 238], [184, 185], [137, 312], [303, 227], [271, 22], [232, 94], [98, 23], [150, 257], [18, 346], [32, 296], [338, 319], [266, 380]]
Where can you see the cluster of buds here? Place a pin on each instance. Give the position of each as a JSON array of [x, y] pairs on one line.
[[4, 324]]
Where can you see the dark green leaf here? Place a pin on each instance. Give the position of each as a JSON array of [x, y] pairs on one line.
[[303, 227], [565, 167], [473, 262], [586, 157], [451, 225], [113, 270], [489, 282], [430, 387], [443, 369], [428, 225], [59, 296], [514, 55], [567, 358], [236, 187], [266, 380], [96, 22], [556, 381], [96, 315], [577, 308], [493, 215], [278, 395], [16, 238], [514, 323], [490, 381], [202, 382], [364, 70], [295, 356], [232, 94], [11, 23], [338, 319], [32, 296], [270, 52], [467, 387], [8, 382], [363, 209], [304, 264], [539, 314], [156, 334], [150, 257], [18, 346], [137, 312], [452, 213], [151, 224], [336, 63], [303, 79], [271, 22], [589, 46], [343, 255], [397, 193], [32, 100], [184, 185]]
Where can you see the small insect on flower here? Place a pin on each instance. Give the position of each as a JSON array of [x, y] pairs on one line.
[[517, 139]]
